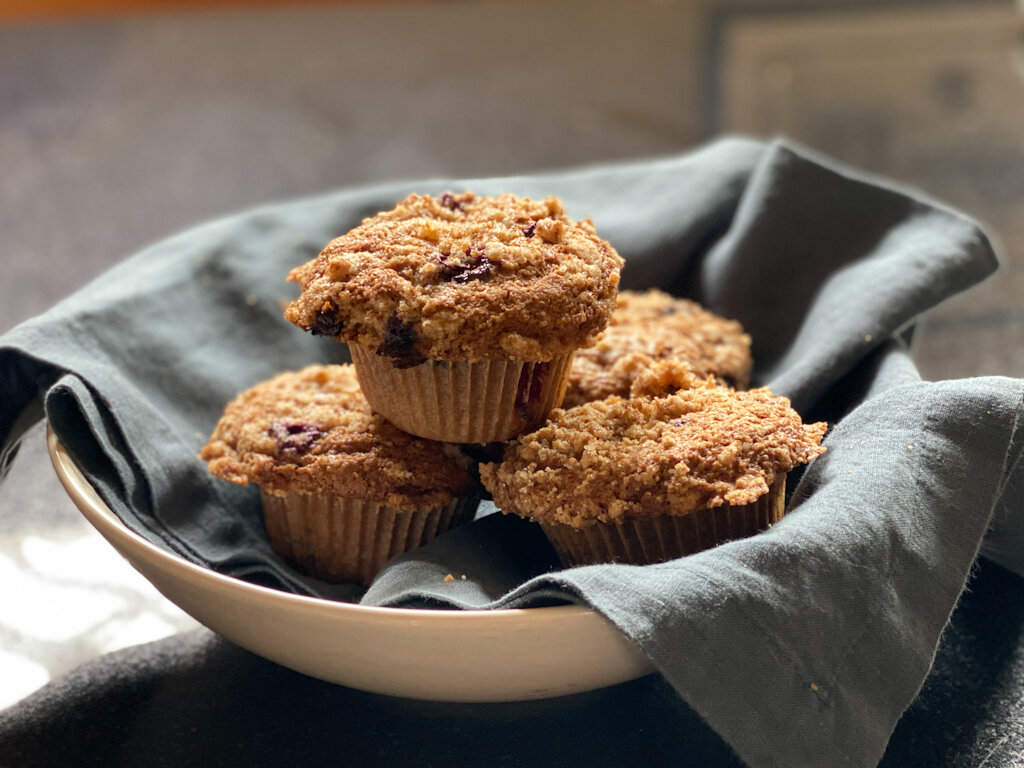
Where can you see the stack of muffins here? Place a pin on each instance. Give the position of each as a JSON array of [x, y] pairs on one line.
[[469, 319]]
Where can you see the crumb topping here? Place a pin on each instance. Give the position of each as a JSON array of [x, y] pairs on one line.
[[465, 278], [649, 326], [702, 446], [313, 431]]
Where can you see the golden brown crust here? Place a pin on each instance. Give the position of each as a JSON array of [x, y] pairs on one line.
[[461, 277], [313, 431], [652, 325], [617, 459]]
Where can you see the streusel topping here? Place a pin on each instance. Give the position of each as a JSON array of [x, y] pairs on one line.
[[313, 431], [652, 325], [461, 277], [616, 459]]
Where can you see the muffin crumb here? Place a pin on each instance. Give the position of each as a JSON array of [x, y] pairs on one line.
[[313, 431], [615, 459], [649, 326], [466, 277]]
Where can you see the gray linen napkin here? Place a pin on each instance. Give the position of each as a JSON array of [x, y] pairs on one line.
[[801, 646]]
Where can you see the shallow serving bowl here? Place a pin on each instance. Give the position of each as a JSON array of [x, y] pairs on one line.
[[441, 655]]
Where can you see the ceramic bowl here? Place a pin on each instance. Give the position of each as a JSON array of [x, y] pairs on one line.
[[440, 655]]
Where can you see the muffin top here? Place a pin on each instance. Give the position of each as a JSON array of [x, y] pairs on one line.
[[652, 325], [701, 446], [313, 431], [461, 277]]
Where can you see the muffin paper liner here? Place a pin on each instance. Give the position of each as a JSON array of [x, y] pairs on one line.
[[340, 539], [462, 402], [665, 537]]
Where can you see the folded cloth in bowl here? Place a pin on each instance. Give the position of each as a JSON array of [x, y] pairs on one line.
[[801, 646]]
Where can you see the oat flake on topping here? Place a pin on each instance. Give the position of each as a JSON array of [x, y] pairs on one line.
[[312, 431], [472, 278], [652, 325], [615, 459]]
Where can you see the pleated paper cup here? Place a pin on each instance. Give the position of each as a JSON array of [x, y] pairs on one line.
[[665, 537], [340, 539], [484, 401]]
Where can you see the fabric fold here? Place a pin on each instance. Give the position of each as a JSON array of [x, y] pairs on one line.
[[864, 570]]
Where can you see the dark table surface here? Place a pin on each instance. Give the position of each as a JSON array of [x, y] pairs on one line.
[[115, 132]]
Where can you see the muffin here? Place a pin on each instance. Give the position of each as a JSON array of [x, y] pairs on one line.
[[682, 465], [342, 489], [650, 326], [462, 313]]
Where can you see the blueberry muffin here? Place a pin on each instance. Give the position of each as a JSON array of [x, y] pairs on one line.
[[343, 490], [462, 313], [680, 466], [649, 326]]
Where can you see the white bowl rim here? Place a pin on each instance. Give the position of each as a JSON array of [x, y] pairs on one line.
[[95, 509]]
